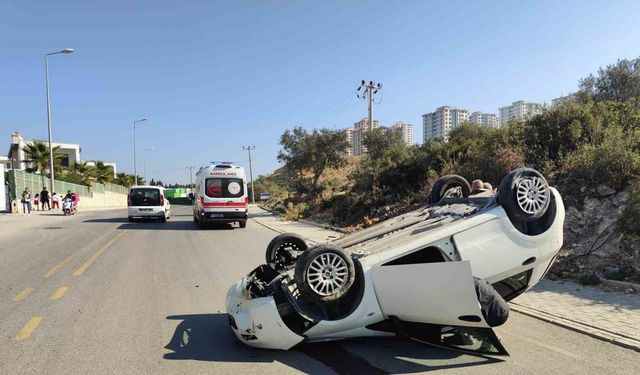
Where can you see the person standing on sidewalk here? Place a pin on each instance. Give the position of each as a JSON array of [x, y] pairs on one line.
[[36, 202], [26, 201], [55, 199], [44, 198]]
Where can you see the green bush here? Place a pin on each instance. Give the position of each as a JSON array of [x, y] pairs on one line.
[[294, 212], [630, 220], [613, 162]]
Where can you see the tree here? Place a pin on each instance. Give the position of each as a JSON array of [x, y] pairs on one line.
[[103, 173], [307, 155], [37, 153], [618, 82], [86, 172]]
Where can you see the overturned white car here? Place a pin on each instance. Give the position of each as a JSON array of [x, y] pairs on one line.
[[439, 275]]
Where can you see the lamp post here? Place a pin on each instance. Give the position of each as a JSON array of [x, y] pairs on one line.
[[144, 164], [135, 165], [46, 76]]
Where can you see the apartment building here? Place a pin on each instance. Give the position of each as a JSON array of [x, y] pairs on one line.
[[359, 128], [564, 99], [405, 130], [484, 119], [348, 133], [438, 124], [519, 110]]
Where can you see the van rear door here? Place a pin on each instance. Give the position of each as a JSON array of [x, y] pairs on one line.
[[226, 192], [145, 197]]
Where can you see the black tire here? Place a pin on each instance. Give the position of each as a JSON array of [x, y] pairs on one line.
[[242, 223], [312, 257], [163, 219], [283, 251], [130, 219], [444, 184], [521, 200]]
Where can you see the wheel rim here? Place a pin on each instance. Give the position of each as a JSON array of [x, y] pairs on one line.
[[453, 191], [286, 254], [327, 274], [531, 194]]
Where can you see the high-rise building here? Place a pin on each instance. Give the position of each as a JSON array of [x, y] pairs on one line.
[[484, 119], [564, 99], [405, 129], [438, 124], [348, 133], [519, 110], [358, 135]]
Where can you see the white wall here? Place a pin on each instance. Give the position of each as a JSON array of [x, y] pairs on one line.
[[3, 189]]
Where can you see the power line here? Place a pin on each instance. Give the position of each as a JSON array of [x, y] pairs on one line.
[[249, 148]]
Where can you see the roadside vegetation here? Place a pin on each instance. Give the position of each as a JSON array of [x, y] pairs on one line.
[[581, 145]]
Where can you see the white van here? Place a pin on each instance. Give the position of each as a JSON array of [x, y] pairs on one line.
[[148, 202], [220, 195]]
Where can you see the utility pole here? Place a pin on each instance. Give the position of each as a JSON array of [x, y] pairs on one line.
[[368, 90], [190, 177], [249, 148]]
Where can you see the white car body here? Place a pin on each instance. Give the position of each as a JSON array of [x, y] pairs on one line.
[[475, 238], [148, 202], [220, 194]]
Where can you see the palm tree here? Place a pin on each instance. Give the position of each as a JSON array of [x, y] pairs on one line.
[[104, 173], [86, 172], [37, 153], [123, 179]]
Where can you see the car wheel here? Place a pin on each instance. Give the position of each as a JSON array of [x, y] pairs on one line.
[[284, 250], [449, 186], [163, 219], [524, 194], [130, 219], [242, 223], [324, 273]]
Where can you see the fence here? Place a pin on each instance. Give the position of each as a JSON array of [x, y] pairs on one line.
[[98, 195]]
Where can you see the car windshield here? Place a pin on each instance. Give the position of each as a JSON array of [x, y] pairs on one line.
[[145, 197], [224, 187]]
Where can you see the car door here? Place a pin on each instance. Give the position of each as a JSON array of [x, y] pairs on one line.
[[436, 293], [496, 249], [436, 304]]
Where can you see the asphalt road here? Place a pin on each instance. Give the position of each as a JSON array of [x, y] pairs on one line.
[[94, 294]]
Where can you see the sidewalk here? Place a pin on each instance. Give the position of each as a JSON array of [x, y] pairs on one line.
[[606, 315]]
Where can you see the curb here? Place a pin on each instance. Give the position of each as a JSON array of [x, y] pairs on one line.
[[323, 226], [585, 329], [622, 285], [276, 229]]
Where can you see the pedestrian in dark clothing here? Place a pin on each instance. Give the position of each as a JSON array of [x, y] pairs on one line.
[[44, 198], [26, 201]]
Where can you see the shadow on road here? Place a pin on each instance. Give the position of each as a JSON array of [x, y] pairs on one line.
[[154, 224], [207, 337]]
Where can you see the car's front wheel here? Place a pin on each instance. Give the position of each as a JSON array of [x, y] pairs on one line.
[[324, 273], [524, 194]]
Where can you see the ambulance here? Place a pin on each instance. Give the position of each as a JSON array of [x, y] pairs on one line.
[[220, 195]]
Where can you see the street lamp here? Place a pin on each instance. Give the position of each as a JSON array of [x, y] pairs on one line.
[[46, 75], [135, 165], [144, 164]]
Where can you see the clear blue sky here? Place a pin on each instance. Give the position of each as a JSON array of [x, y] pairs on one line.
[[215, 77]]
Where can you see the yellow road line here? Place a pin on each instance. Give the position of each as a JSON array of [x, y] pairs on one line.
[[24, 293], [61, 265], [95, 256], [60, 292], [28, 328]]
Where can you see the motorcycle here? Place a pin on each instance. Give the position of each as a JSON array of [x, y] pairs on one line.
[[68, 208]]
